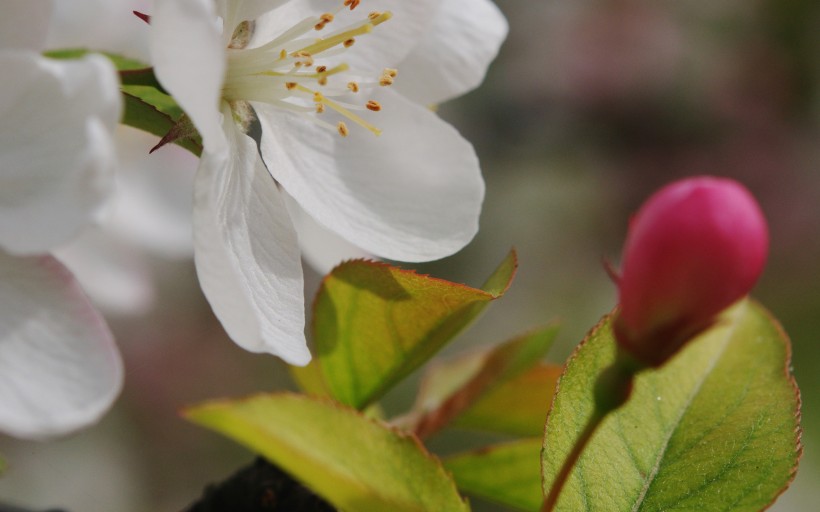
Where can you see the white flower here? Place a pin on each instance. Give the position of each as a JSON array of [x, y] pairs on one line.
[[361, 159], [59, 367]]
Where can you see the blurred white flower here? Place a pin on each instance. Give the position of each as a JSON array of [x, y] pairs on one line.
[[364, 161], [59, 367]]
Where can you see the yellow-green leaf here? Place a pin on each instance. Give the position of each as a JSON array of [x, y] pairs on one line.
[[517, 407], [355, 463], [716, 428], [374, 324], [507, 473], [466, 383]]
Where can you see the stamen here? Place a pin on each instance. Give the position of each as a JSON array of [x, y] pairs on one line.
[[290, 85], [352, 4], [350, 42], [331, 41], [373, 105], [320, 98], [320, 108], [324, 19], [343, 131], [353, 86]]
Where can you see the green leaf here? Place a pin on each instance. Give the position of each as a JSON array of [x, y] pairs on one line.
[[506, 473], [154, 119], [120, 62], [716, 428], [355, 463], [449, 388], [374, 324], [517, 407]]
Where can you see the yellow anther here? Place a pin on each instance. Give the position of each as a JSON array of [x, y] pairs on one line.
[[320, 108], [352, 4], [353, 86], [322, 80], [324, 19], [385, 80], [343, 129], [321, 69], [283, 54], [318, 97], [390, 71], [290, 85], [373, 105], [348, 43]]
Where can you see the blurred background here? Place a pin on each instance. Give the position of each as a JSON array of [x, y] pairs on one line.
[[590, 106]]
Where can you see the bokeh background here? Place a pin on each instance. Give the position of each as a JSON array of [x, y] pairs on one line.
[[590, 106]]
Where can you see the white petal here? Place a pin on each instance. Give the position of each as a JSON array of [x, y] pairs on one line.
[[189, 60], [59, 367], [113, 274], [388, 43], [321, 248], [452, 58], [108, 25], [24, 24], [234, 12], [412, 194], [246, 252], [56, 152]]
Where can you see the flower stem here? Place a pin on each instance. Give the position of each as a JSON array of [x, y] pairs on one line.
[[569, 463]]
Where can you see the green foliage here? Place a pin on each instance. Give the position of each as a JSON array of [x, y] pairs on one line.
[[355, 463], [374, 324], [483, 389], [506, 473], [515, 407], [717, 428]]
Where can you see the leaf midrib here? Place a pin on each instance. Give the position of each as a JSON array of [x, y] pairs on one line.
[[685, 407]]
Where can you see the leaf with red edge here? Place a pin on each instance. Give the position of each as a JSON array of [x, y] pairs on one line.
[[374, 324], [355, 463]]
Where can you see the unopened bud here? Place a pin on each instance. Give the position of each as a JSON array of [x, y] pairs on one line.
[[694, 248]]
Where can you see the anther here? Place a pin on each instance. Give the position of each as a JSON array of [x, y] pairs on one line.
[[352, 4], [321, 69], [349, 42], [322, 80], [353, 86], [390, 71], [290, 85], [373, 15], [373, 105], [343, 129], [320, 108], [324, 19]]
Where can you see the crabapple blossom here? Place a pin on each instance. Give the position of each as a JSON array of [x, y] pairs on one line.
[[363, 160]]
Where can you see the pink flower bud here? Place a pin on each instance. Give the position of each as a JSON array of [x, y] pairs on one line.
[[694, 248]]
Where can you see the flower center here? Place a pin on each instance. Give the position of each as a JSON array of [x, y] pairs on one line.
[[301, 73]]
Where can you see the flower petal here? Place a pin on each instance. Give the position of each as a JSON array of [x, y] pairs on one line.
[[56, 152], [452, 57], [246, 252], [59, 367], [412, 194], [24, 24], [189, 61], [387, 45]]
